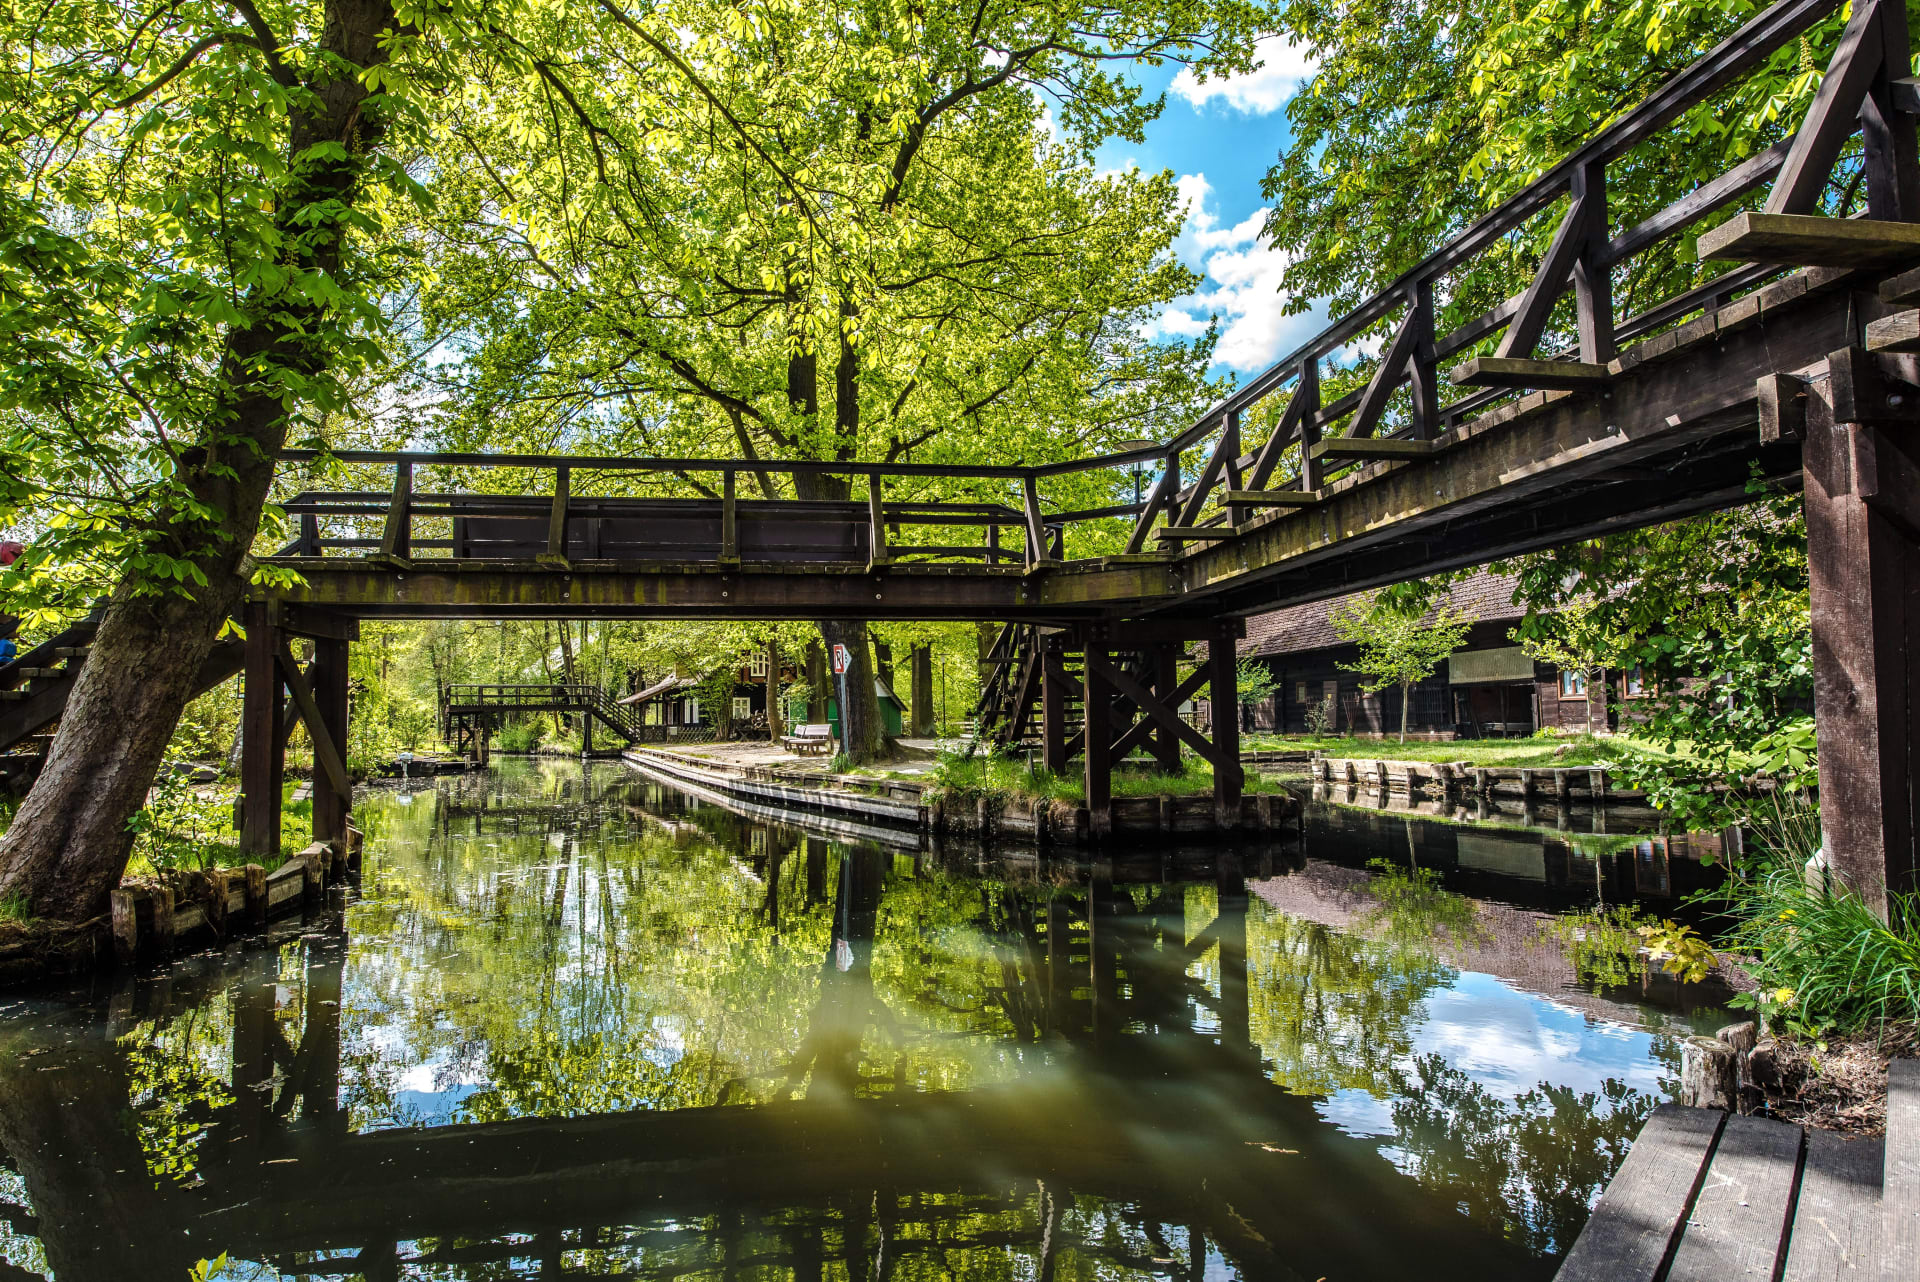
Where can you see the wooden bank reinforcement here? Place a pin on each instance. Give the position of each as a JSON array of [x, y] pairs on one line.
[[904, 805]]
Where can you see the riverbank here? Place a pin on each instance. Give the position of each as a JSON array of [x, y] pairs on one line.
[[924, 802]]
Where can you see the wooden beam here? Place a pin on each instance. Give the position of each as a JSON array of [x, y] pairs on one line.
[[1096, 738], [331, 802], [1164, 491], [557, 515], [1556, 270], [1224, 706], [396, 538], [1273, 498], [1592, 269], [1863, 558], [1899, 332], [1389, 447], [1393, 368], [877, 556], [1808, 240], [1901, 289], [262, 734], [1143, 699], [1036, 525], [1503, 371], [1829, 122], [1192, 533], [1304, 400], [325, 755]]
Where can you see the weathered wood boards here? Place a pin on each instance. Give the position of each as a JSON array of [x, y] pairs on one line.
[[1737, 1225], [1705, 1197], [1808, 240], [1641, 1214], [1502, 371]]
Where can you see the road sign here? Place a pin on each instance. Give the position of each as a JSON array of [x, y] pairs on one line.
[[841, 660]]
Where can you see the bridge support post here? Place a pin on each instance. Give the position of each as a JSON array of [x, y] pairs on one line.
[[1224, 713], [1097, 735], [1862, 463], [1053, 707], [1165, 745], [263, 737], [329, 680]]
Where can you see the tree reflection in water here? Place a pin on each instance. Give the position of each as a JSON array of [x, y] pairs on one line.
[[581, 1026]]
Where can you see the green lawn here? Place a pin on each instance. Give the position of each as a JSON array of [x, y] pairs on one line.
[[1581, 750], [981, 775]]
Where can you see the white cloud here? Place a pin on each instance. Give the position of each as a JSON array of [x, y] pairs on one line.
[[1242, 286], [1284, 66]]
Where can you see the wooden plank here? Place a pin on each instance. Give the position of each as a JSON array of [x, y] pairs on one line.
[[1272, 498], [1808, 240], [1504, 371], [1373, 447], [1900, 1179], [1640, 1215], [1904, 288], [1738, 1223], [1836, 1214], [1899, 332]]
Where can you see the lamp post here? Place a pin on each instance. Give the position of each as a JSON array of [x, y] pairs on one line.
[[1139, 473]]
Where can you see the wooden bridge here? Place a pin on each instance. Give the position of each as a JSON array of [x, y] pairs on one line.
[[469, 713], [1795, 366]]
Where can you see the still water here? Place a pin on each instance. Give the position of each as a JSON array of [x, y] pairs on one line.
[[574, 1024]]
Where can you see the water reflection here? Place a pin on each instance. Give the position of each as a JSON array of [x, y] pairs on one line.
[[576, 1025]]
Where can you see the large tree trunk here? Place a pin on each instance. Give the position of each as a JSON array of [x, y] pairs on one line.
[[863, 736], [68, 844], [819, 683], [921, 662]]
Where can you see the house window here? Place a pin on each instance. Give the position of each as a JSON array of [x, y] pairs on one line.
[[693, 712], [1634, 682], [757, 664], [1300, 692], [742, 707], [1573, 685]]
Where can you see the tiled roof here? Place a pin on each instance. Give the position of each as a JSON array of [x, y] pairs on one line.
[[1486, 596]]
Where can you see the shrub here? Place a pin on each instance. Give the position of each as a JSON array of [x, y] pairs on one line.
[[518, 736]]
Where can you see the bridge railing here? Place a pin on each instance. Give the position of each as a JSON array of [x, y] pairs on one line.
[[1394, 409]]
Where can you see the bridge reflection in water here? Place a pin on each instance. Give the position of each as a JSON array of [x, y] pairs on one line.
[[626, 1035]]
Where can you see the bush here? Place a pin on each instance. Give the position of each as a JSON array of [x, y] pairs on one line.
[[518, 736]]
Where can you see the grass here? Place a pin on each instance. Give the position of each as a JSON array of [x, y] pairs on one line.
[[1824, 960], [960, 777], [1539, 750]]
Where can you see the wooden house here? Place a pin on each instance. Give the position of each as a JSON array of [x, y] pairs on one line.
[[1487, 688]]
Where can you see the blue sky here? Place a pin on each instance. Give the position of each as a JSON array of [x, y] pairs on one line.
[[1219, 139]]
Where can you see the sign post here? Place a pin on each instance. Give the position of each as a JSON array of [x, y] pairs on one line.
[[842, 660]]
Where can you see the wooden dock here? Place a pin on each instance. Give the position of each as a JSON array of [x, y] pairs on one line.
[[1706, 1197]]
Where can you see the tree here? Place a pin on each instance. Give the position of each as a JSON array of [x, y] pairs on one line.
[[190, 246], [1715, 609], [1398, 646], [840, 234]]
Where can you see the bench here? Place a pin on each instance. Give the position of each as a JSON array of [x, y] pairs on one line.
[[810, 739]]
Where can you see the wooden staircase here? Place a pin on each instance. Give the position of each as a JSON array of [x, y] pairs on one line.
[[34, 687]]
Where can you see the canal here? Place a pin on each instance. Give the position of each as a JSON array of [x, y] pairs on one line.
[[574, 1024]]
